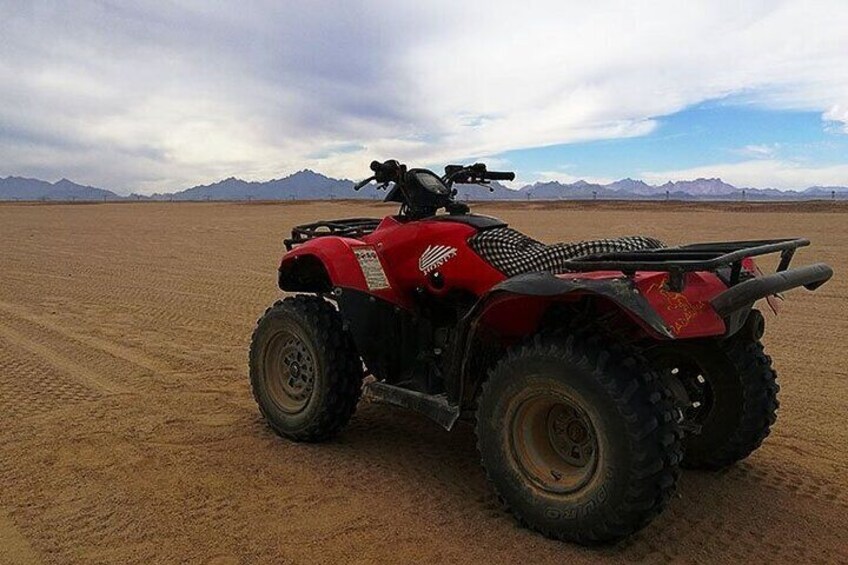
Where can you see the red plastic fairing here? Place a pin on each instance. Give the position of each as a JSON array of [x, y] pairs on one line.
[[687, 314], [338, 257], [513, 316], [401, 247], [432, 255]]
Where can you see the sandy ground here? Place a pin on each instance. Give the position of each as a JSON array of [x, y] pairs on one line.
[[128, 433]]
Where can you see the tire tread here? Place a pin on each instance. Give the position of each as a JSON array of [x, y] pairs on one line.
[[342, 374], [759, 405], [645, 404]]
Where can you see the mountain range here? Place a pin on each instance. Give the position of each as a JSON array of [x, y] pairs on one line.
[[309, 185]]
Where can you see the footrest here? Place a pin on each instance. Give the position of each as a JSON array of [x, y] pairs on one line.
[[435, 407]]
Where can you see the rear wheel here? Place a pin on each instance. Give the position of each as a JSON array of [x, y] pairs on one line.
[[578, 439], [304, 370], [728, 393]]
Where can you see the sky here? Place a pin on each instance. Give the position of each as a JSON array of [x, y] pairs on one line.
[[162, 95]]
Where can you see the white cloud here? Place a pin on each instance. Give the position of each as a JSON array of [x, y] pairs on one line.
[[156, 96], [757, 151], [763, 173], [838, 114]]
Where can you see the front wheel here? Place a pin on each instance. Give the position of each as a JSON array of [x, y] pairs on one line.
[[579, 439], [304, 370]]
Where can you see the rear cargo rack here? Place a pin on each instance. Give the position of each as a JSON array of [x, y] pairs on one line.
[[687, 258], [349, 227]]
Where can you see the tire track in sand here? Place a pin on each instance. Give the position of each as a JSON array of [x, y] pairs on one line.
[[84, 375], [39, 361], [31, 387], [114, 349], [111, 368]]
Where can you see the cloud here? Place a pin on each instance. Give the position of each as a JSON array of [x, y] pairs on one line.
[[757, 151], [157, 95], [838, 115], [763, 173]]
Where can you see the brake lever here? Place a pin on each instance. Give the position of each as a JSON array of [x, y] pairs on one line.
[[482, 182]]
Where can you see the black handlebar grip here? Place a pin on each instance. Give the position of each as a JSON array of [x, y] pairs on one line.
[[362, 183], [495, 175]]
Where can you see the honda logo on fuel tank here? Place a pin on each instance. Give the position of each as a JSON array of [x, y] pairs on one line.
[[434, 257]]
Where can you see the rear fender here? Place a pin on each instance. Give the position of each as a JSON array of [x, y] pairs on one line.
[[517, 307], [687, 314], [517, 304]]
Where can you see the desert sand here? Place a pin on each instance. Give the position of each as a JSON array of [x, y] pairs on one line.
[[128, 433]]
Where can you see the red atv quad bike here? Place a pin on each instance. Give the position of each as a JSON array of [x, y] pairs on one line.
[[593, 370]]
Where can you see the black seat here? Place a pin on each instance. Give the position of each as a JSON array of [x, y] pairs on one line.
[[513, 253]]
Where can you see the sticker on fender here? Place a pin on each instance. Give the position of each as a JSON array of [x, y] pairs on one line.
[[375, 277]]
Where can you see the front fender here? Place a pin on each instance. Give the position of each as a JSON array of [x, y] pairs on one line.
[[332, 256], [330, 262]]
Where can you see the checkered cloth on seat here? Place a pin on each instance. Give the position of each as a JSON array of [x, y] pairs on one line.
[[514, 253]]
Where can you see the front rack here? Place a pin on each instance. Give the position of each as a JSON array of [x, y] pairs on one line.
[[687, 258], [349, 227]]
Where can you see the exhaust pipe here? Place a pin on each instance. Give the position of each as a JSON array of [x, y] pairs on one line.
[[745, 294]]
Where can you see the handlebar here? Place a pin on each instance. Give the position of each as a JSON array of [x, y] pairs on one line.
[[363, 182], [423, 197], [476, 173], [496, 175], [389, 171], [384, 173]]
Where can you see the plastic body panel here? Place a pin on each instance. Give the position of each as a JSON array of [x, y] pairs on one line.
[[402, 248]]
